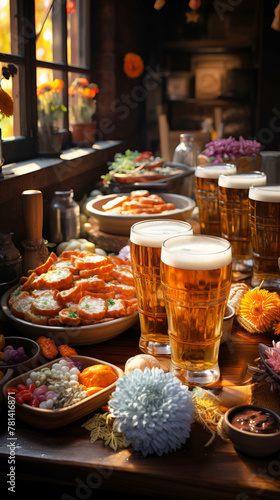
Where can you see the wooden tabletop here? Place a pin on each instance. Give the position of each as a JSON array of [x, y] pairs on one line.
[[69, 466]]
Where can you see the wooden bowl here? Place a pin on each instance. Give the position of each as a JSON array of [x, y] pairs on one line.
[[52, 419], [251, 443], [32, 350], [121, 224]]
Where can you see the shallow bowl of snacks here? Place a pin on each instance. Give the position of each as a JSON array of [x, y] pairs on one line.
[[61, 391], [19, 354], [116, 213], [77, 297], [254, 430]]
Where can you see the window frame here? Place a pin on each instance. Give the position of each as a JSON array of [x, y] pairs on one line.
[[24, 147]]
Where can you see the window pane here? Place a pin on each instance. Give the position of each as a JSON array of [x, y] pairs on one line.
[[77, 32], [8, 27], [44, 44], [49, 31], [81, 99], [5, 38], [50, 97], [11, 126]]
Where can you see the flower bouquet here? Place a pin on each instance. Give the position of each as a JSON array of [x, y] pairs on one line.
[[82, 109], [50, 110], [244, 153]]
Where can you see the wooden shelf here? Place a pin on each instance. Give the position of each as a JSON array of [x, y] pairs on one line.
[[212, 46], [209, 102]]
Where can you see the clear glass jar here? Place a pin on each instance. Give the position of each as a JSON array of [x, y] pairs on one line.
[[64, 217], [186, 152]]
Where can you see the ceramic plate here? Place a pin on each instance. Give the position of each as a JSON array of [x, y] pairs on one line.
[[121, 224], [51, 419], [73, 336]]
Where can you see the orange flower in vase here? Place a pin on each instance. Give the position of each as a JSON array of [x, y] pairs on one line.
[[133, 65], [50, 110], [82, 110]]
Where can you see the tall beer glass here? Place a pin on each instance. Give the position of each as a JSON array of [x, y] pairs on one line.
[[196, 277], [234, 213], [207, 195], [146, 238], [264, 218]]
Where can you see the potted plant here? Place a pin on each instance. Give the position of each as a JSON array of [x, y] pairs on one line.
[[50, 110], [82, 110]]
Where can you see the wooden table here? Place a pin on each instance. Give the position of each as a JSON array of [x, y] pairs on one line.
[[69, 466]]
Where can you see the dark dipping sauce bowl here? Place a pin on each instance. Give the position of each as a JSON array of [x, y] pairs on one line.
[[263, 438]]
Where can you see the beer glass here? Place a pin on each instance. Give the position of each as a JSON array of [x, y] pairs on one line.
[[207, 199], [196, 274], [146, 238], [264, 219], [234, 214]]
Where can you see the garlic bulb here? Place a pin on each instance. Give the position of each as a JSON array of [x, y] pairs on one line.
[[140, 361]]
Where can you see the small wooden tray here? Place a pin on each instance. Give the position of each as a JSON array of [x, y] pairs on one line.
[[52, 419]]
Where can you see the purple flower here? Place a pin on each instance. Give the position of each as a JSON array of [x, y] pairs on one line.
[[230, 147]]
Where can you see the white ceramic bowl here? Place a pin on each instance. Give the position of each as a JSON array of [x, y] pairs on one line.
[[121, 224]]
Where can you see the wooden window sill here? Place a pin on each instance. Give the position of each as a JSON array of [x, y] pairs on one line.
[[41, 172]]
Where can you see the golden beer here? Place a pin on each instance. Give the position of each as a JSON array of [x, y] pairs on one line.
[[234, 213], [196, 274], [264, 218], [145, 252], [207, 195]]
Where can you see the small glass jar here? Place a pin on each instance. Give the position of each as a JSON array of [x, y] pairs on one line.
[[186, 152], [64, 217]]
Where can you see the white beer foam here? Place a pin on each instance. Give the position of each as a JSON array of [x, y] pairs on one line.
[[265, 193], [153, 233], [242, 181], [196, 252], [213, 171]]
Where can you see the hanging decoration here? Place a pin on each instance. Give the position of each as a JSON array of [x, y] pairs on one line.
[[275, 25], [133, 65]]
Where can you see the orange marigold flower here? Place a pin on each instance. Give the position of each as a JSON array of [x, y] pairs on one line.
[[57, 85], [72, 90], [261, 308], [6, 104], [277, 329], [91, 92], [133, 65], [44, 87]]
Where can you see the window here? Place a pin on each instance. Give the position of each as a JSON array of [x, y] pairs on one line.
[[46, 40]]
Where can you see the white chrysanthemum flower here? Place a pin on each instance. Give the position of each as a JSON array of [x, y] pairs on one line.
[[154, 410]]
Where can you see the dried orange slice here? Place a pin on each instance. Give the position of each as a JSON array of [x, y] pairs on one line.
[[21, 305], [46, 266], [92, 307], [46, 305], [58, 278], [69, 316]]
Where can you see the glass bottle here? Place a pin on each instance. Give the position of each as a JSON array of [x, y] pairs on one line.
[[64, 217], [186, 152]]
